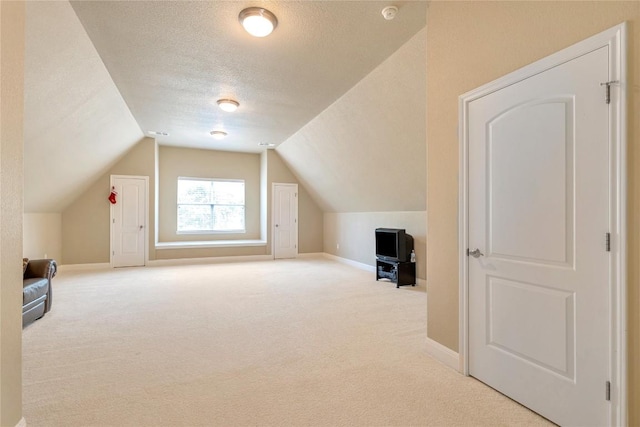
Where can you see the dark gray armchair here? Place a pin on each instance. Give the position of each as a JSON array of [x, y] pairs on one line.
[[36, 289]]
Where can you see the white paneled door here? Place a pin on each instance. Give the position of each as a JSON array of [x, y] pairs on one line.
[[539, 272], [128, 221], [285, 220]]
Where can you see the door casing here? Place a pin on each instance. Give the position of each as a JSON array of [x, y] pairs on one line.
[[615, 39], [146, 217]]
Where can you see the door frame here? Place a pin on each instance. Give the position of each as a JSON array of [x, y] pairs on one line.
[[146, 217], [273, 216], [616, 39]]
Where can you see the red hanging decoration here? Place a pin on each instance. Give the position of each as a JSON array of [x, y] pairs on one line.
[[112, 196]]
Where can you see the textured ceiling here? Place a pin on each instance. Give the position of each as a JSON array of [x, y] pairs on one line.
[[76, 124], [100, 75], [172, 60]]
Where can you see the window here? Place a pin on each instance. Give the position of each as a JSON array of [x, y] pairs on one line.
[[210, 205]]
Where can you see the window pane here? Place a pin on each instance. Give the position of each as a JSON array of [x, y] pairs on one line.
[[210, 205], [194, 191], [228, 192], [194, 217], [228, 217]]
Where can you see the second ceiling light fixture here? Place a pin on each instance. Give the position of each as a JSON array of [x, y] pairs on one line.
[[257, 21]]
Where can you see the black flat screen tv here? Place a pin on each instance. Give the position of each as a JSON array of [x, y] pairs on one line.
[[393, 244]]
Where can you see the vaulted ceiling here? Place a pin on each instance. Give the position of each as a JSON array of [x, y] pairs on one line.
[[101, 74]]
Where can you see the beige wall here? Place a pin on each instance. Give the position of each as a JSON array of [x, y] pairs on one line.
[[177, 162], [475, 42], [73, 109], [264, 158], [42, 236], [310, 225], [366, 152], [363, 158], [355, 234], [85, 223], [11, 192], [166, 254]]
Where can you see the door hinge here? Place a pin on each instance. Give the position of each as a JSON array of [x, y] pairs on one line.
[[607, 94], [113, 253], [608, 391], [607, 242], [113, 220]]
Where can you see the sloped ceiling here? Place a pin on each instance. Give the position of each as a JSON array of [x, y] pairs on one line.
[[172, 60], [76, 124], [101, 74], [367, 151]]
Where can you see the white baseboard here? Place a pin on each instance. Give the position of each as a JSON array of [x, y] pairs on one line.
[[185, 261], [94, 266], [22, 423], [443, 354], [208, 260], [216, 260], [360, 265], [363, 266], [312, 255]]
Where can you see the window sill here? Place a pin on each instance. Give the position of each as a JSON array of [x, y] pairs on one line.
[[201, 232], [209, 244]]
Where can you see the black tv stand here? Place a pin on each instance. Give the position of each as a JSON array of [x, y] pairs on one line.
[[400, 273]]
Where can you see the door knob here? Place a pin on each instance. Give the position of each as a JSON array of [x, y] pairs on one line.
[[276, 225], [141, 227], [474, 253]]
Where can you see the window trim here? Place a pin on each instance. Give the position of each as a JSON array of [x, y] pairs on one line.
[[198, 232]]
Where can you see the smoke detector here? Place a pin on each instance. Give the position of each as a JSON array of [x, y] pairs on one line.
[[389, 12]]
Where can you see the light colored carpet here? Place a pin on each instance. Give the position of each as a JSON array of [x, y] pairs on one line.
[[307, 342]]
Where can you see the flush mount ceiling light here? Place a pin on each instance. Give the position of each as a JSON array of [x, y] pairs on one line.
[[257, 21], [228, 105], [218, 134]]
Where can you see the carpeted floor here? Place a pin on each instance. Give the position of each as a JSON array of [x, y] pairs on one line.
[[307, 342]]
